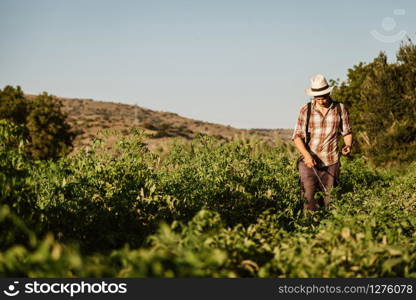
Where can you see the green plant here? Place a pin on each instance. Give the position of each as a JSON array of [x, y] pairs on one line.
[[44, 123]]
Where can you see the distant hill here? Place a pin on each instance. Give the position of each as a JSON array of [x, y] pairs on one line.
[[87, 117]]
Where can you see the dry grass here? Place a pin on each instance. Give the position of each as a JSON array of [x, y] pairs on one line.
[[87, 117]]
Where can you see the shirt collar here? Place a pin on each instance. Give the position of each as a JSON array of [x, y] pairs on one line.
[[332, 106]]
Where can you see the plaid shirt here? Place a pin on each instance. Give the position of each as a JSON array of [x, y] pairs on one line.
[[324, 131]]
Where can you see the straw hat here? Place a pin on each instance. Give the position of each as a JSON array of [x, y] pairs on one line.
[[319, 86]]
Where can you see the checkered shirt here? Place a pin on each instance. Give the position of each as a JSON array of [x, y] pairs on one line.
[[324, 131]]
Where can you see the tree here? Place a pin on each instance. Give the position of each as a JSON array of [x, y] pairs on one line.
[[13, 105], [50, 135], [44, 123], [382, 101]]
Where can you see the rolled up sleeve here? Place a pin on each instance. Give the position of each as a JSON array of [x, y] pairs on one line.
[[346, 126], [300, 127]]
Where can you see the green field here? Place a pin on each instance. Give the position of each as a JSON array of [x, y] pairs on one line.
[[205, 208]]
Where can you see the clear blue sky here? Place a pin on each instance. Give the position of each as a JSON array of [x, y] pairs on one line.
[[239, 63]]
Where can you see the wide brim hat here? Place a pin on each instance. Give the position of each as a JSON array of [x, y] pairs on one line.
[[319, 86]]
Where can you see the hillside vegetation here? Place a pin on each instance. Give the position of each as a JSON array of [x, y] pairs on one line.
[[87, 117]]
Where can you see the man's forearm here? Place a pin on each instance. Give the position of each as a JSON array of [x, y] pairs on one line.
[[300, 145], [348, 140]]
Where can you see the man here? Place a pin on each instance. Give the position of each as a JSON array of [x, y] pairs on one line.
[[318, 144]]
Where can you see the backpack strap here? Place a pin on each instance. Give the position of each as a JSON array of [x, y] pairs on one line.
[[340, 116], [308, 116]]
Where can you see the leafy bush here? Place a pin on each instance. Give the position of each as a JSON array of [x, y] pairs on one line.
[[382, 100], [50, 135], [44, 123], [14, 170], [208, 208]]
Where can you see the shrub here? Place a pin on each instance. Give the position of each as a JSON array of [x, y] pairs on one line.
[[44, 124]]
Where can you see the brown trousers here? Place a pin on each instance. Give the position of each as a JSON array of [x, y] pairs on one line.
[[310, 184]]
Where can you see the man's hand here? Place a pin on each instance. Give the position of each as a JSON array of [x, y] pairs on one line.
[[307, 157], [309, 161], [346, 150]]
